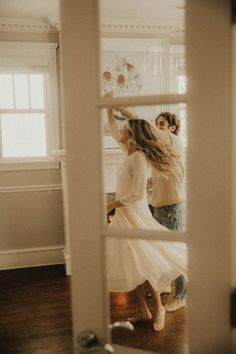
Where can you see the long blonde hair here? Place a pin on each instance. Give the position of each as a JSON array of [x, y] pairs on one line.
[[158, 154]]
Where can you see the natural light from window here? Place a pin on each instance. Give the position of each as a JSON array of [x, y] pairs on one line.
[[23, 135], [22, 115]]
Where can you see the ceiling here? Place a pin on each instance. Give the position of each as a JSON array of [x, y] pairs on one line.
[[151, 9], [125, 9], [28, 9]]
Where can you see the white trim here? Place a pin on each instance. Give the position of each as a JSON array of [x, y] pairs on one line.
[[35, 25], [108, 26], [60, 154], [233, 248], [142, 100], [28, 45], [147, 234], [32, 188], [29, 165], [112, 156], [67, 258], [31, 257], [209, 178], [53, 121], [121, 26]]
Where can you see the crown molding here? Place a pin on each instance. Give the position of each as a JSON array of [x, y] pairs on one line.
[[34, 25], [141, 26], [108, 26]]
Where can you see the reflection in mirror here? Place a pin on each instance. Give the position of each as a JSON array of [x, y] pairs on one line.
[[145, 166], [147, 284]]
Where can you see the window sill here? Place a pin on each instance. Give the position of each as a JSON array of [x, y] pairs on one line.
[[29, 165]]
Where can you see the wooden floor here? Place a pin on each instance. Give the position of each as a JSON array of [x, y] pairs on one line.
[[35, 313], [35, 316], [172, 340]]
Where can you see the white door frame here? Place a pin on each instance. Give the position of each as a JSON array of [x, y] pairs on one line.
[[233, 250], [209, 67], [79, 53], [209, 153]]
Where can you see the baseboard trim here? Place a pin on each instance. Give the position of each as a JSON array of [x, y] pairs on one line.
[[67, 258], [31, 257]]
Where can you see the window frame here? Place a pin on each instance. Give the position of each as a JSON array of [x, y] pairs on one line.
[[41, 58]]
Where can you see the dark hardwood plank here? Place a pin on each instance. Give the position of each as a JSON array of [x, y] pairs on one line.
[[35, 311], [172, 340], [35, 316]]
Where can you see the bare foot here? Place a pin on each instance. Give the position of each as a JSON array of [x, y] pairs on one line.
[[159, 322], [175, 305], [167, 290]]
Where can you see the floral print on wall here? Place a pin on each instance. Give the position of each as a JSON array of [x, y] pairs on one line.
[[122, 78]]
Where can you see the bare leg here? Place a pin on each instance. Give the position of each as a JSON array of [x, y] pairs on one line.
[[167, 290], [143, 310], [159, 315]]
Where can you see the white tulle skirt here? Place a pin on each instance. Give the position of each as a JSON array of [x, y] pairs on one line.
[[132, 261]]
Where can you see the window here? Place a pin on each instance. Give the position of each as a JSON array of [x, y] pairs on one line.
[[28, 103], [23, 115]]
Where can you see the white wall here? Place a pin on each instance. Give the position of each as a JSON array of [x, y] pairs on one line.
[[31, 213]]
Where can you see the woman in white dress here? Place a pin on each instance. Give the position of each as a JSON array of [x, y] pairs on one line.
[[131, 262]]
